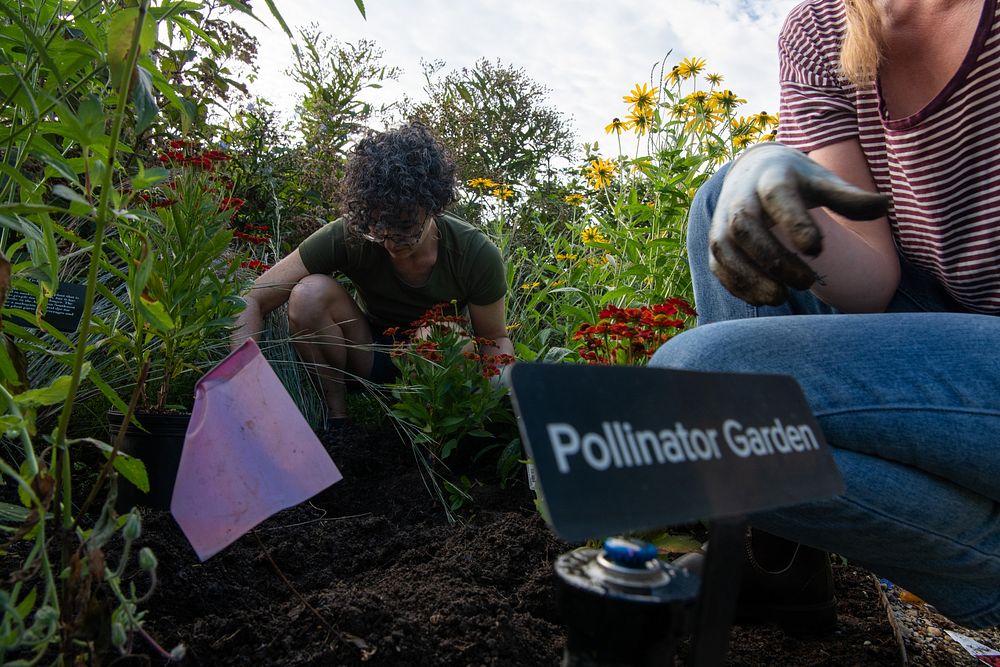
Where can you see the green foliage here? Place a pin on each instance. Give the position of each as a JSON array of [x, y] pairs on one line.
[[496, 121], [445, 393], [80, 85], [173, 254], [337, 76]]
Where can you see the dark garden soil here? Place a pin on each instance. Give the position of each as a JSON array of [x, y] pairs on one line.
[[371, 572]]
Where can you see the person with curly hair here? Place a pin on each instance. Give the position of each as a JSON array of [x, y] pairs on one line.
[[403, 255]]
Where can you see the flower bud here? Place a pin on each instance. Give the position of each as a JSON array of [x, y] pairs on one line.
[[118, 636], [147, 561], [133, 527]]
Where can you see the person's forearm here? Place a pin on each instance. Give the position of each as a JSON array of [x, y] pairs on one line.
[[249, 324], [502, 345], [854, 276]]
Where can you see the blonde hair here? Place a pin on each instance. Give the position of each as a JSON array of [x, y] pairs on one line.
[[864, 42]]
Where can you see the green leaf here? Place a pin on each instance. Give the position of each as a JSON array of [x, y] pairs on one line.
[[146, 108], [148, 177], [54, 394], [361, 8], [121, 33], [129, 467], [132, 469], [155, 314], [25, 606], [70, 195]]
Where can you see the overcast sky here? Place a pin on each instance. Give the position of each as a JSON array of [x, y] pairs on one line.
[[588, 53]]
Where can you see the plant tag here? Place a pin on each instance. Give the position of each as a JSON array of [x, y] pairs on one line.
[[63, 311], [624, 448], [532, 476], [981, 652]]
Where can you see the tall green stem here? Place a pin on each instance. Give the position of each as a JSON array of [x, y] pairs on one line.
[[100, 225]]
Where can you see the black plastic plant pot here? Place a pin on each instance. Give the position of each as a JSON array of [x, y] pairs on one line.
[[622, 606], [158, 444]]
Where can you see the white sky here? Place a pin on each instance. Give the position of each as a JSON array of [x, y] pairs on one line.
[[588, 53]]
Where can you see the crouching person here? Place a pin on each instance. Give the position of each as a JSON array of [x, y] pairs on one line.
[[402, 253], [886, 315]]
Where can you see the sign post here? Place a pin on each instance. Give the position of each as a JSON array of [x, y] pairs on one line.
[[618, 449]]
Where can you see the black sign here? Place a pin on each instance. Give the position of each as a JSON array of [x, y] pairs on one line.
[[63, 311], [621, 448]]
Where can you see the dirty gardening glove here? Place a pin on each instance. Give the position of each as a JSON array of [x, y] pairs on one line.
[[774, 185]]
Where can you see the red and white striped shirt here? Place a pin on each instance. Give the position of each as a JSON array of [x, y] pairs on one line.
[[940, 166]]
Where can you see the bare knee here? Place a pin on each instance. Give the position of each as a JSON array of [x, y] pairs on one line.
[[313, 301]]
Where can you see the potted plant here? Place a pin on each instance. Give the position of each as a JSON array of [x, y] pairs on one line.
[[173, 254]]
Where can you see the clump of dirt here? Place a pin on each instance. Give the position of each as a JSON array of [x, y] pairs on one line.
[[370, 572]]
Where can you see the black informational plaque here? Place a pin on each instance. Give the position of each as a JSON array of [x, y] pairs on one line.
[[63, 310], [619, 448]]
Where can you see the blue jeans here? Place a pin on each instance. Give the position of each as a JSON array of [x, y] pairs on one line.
[[909, 401]]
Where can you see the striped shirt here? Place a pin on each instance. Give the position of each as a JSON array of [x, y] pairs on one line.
[[940, 166]]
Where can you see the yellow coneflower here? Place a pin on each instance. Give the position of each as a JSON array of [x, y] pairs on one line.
[[600, 173], [764, 120], [502, 192], [725, 101], [690, 67], [592, 235], [574, 199], [674, 75], [617, 125], [641, 97], [640, 121], [482, 183]]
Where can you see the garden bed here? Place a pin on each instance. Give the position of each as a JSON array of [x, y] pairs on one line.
[[381, 578]]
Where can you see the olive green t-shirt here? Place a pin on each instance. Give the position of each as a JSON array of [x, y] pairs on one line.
[[469, 269]]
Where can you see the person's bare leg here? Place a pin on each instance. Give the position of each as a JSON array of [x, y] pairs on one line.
[[330, 333]]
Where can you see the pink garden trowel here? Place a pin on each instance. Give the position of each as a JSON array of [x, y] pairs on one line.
[[248, 453]]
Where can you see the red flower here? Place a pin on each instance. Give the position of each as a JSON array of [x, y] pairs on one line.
[[234, 203], [256, 265]]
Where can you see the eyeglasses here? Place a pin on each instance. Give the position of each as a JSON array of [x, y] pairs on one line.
[[406, 237]]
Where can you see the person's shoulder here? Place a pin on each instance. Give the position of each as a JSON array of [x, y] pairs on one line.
[[454, 228], [811, 15]]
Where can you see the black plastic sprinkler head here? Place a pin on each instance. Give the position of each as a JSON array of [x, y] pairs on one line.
[[622, 605]]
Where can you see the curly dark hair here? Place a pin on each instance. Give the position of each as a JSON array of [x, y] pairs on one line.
[[391, 174]]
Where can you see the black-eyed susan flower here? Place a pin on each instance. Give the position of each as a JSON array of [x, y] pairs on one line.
[[714, 79], [592, 235], [617, 125], [483, 183], [690, 67], [600, 260], [679, 110], [698, 98], [741, 141], [641, 97], [566, 256], [725, 101], [502, 192], [530, 286], [574, 199], [673, 77], [600, 173], [640, 121], [764, 120]]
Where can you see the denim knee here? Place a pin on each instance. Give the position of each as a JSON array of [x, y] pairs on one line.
[[722, 346]]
